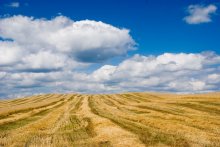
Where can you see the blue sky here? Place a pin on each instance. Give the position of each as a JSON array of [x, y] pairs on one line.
[[157, 26], [158, 29]]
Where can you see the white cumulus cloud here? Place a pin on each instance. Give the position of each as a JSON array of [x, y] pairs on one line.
[[40, 55], [85, 41], [167, 72], [47, 56], [191, 73], [9, 53], [200, 14]]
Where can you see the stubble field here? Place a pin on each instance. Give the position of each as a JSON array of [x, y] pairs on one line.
[[111, 120]]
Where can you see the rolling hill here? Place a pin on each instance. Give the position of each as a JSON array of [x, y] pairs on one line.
[[111, 120]]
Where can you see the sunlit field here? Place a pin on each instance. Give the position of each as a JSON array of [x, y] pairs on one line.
[[111, 120]]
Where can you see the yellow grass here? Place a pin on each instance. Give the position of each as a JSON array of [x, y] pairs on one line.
[[113, 120]]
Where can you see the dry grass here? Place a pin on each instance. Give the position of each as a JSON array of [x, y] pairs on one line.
[[130, 119]]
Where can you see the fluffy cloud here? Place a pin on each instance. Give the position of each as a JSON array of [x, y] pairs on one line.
[[146, 66], [103, 73], [54, 56], [9, 53], [200, 14], [36, 53], [84, 41], [166, 72]]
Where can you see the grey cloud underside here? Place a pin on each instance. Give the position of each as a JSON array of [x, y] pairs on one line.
[[49, 56], [96, 55]]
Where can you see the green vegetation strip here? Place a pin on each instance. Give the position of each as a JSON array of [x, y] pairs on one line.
[[22, 122], [25, 121], [200, 108], [28, 109], [136, 97], [157, 109]]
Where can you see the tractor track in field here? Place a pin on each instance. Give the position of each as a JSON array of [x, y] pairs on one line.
[[111, 120], [106, 131]]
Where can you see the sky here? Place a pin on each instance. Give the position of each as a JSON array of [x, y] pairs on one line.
[[111, 46]]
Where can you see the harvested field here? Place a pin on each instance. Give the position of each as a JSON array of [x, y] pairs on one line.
[[111, 120]]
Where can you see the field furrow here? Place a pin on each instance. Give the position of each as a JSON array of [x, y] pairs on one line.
[[111, 120]]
